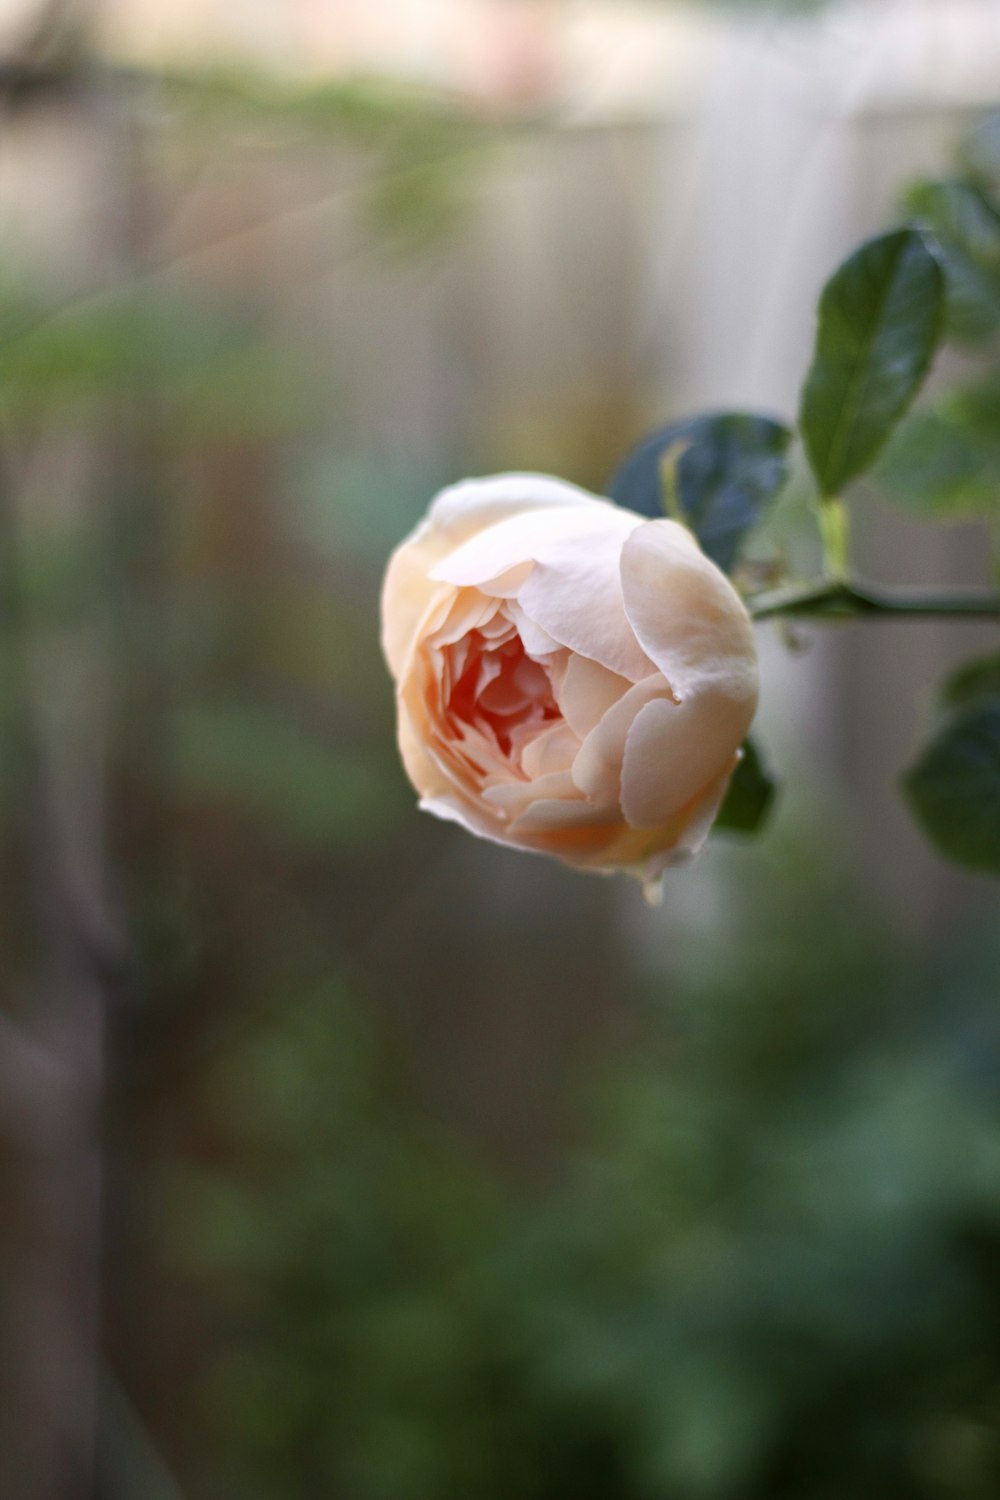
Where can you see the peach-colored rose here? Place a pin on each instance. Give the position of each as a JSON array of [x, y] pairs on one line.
[[570, 677]]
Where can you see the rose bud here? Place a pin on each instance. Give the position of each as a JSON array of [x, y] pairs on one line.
[[571, 678]]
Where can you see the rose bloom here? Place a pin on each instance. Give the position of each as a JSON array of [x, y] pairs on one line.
[[571, 678]]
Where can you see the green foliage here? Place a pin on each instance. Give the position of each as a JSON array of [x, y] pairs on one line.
[[966, 228], [260, 763], [974, 679], [768, 1270], [880, 319], [769, 1273], [421, 146], [954, 785], [717, 474], [750, 797], [945, 462], [198, 368]]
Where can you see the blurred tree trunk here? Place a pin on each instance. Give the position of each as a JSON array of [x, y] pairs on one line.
[[51, 1065], [65, 973]]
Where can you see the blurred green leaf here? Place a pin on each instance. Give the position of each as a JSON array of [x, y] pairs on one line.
[[710, 1424], [880, 319], [953, 787], [371, 111], [750, 797], [191, 364], [966, 228], [318, 795], [973, 679], [721, 474], [421, 143], [945, 459]]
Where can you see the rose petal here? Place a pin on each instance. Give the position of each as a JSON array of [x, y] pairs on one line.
[[674, 750], [597, 769], [408, 594], [469, 610], [474, 503], [697, 827], [555, 749], [534, 639], [565, 817], [685, 612], [536, 535], [586, 691], [512, 798], [574, 593], [452, 809]]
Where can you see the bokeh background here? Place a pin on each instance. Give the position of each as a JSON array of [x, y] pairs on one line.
[[341, 1156]]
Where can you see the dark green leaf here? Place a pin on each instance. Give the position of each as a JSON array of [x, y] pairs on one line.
[[966, 228], [954, 786], [720, 472], [750, 796], [880, 319]]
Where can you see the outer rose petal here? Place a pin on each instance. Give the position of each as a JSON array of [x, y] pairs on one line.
[[468, 507], [457, 513], [574, 593], [408, 591], [675, 750], [690, 620]]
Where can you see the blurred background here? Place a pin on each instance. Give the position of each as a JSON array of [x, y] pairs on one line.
[[340, 1155]]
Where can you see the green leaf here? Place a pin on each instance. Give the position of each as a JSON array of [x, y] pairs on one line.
[[947, 459], [966, 228], [954, 786], [973, 679], [721, 473], [880, 319], [750, 796], [936, 464]]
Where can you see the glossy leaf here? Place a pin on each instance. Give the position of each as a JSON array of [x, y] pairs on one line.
[[750, 796], [717, 473], [880, 320], [954, 786]]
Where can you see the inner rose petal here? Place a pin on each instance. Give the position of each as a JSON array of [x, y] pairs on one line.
[[491, 699], [501, 687]]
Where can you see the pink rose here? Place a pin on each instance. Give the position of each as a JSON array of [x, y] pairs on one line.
[[571, 678]]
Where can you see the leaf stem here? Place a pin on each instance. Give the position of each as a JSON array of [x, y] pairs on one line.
[[835, 531], [841, 599]]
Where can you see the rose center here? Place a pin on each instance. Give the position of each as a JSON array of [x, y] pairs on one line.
[[502, 690]]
